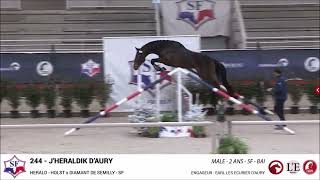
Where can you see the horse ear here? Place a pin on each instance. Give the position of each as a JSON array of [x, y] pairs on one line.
[[139, 50]]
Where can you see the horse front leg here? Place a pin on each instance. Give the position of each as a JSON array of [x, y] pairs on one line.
[[157, 67]]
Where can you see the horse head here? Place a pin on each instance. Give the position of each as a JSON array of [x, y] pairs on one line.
[[139, 59]]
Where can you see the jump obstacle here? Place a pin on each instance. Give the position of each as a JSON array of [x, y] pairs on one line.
[[210, 124], [192, 76], [131, 96], [180, 89]]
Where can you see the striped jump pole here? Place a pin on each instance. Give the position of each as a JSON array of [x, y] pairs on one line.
[[242, 97], [265, 111], [225, 95], [232, 99], [128, 98]]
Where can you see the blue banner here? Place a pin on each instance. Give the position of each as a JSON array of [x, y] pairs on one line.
[[259, 64], [41, 67], [240, 64]]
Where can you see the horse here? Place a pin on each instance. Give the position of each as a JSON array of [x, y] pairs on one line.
[[174, 54]]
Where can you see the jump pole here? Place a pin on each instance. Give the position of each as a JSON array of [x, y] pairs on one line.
[[192, 76], [230, 98], [256, 105], [266, 111], [128, 98]]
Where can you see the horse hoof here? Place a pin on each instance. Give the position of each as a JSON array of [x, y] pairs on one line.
[[157, 68], [163, 69]]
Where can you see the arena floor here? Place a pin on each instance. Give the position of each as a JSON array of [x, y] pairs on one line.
[[261, 139]]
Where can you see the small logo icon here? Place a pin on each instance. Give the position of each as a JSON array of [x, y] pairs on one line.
[[283, 62], [44, 68], [309, 166], [196, 13], [312, 64], [147, 76], [12, 67], [14, 166], [15, 66], [317, 90], [90, 68], [275, 167], [293, 167]]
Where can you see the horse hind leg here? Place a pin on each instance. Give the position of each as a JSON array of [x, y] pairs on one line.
[[218, 72], [223, 76], [213, 76], [228, 88], [208, 74]]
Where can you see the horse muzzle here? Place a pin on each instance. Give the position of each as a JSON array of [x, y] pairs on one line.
[[135, 67]]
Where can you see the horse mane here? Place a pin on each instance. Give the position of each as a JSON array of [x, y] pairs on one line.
[[158, 45]]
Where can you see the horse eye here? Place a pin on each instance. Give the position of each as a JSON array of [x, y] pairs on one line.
[[140, 52]]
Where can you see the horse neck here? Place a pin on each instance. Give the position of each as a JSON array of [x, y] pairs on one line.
[[151, 48]]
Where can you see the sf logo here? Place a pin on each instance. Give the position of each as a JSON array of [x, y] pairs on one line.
[[14, 166]]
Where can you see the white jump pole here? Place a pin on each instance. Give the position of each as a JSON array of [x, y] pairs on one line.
[[296, 122], [190, 98], [139, 81], [105, 125], [158, 96], [179, 96]]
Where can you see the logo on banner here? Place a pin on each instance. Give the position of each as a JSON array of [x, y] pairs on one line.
[[312, 64], [309, 166], [293, 167], [167, 131], [13, 67], [196, 13], [90, 68], [281, 63], [233, 65], [44, 68], [317, 90], [275, 167], [14, 166], [147, 76]]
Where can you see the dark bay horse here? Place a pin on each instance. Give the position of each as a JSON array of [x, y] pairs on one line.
[[174, 54]]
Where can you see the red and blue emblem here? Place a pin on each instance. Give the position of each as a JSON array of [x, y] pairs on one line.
[[90, 68], [195, 12], [147, 76], [14, 166]]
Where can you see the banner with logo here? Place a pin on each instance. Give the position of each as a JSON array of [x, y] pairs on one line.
[[159, 166], [240, 64], [39, 67], [259, 64], [119, 54], [207, 18]]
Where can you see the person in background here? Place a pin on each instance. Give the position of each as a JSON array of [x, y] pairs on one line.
[[280, 94]]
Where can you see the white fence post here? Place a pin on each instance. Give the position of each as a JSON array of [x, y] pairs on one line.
[[158, 97], [179, 96]]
